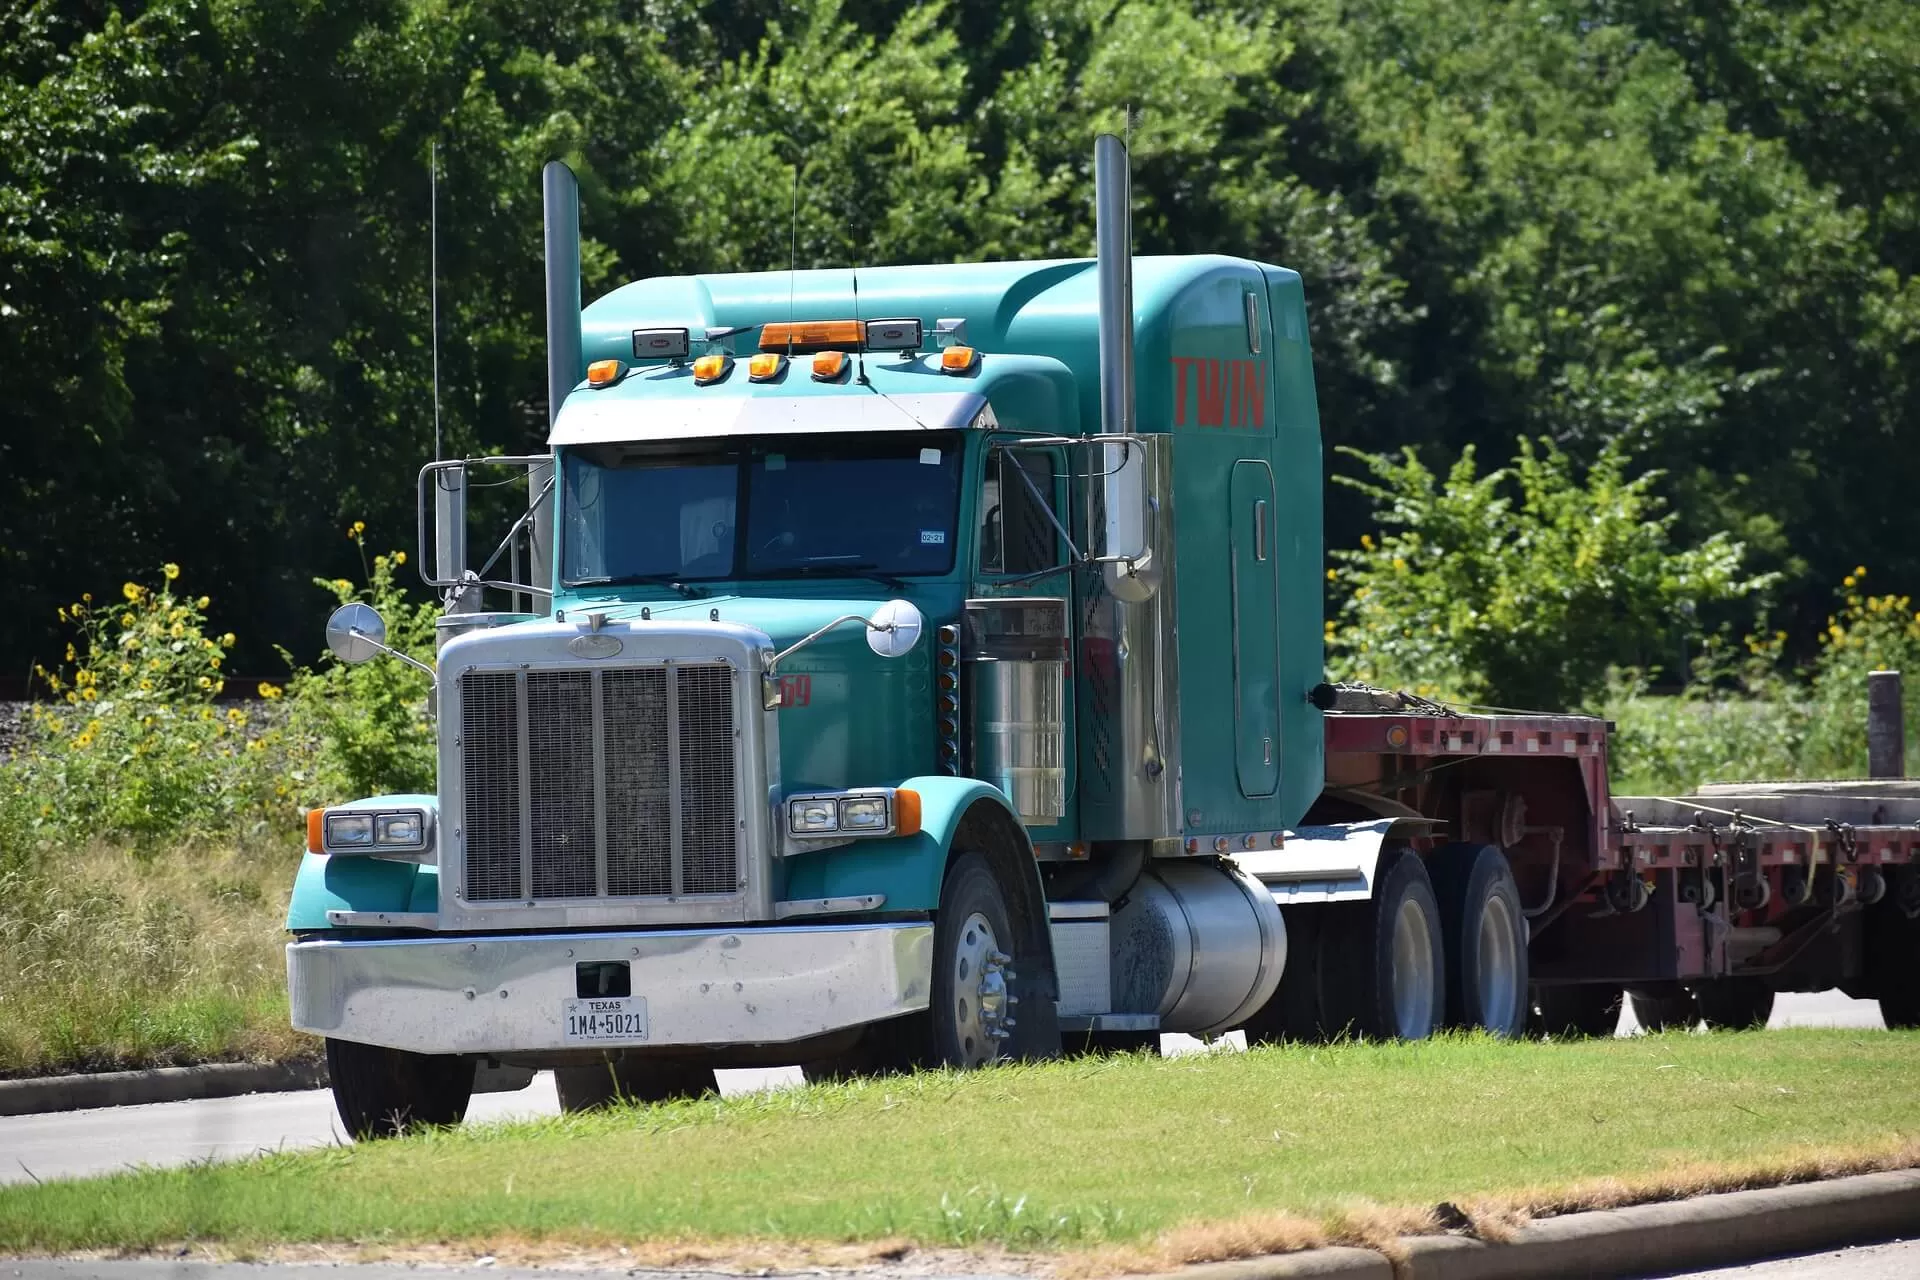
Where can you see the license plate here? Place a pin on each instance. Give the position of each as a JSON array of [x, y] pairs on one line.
[[599, 1021]]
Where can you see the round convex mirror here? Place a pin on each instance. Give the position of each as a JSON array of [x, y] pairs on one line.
[[356, 632], [894, 629]]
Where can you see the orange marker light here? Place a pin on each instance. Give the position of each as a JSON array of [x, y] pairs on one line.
[[829, 365], [765, 367], [316, 820], [711, 368], [604, 373], [811, 335], [958, 359], [906, 813]]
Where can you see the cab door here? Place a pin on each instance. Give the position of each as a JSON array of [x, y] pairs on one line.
[[1256, 629]]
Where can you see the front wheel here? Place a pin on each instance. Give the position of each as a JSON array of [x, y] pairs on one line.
[[1383, 969], [381, 1092], [972, 1009]]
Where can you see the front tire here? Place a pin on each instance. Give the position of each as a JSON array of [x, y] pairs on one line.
[[1383, 970], [1486, 939], [972, 1009], [632, 1080], [382, 1093]]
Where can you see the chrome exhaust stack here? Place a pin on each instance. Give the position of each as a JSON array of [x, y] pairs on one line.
[[1126, 546]]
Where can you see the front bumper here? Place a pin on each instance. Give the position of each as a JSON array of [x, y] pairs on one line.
[[701, 986]]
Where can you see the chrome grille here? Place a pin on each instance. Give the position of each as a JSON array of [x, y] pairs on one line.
[[599, 783]]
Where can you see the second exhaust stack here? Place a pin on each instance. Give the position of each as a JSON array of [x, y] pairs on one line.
[[1125, 485]]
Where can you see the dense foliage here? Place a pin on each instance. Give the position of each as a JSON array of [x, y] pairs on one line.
[[1691, 228]]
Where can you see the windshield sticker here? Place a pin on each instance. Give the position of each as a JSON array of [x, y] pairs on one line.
[[933, 537], [776, 462], [929, 457]]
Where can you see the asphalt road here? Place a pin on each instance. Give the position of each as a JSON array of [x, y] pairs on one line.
[[76, 1143]]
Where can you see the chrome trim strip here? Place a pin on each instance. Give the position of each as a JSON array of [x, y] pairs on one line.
[[524, 732], [390, 919], [828, 906]]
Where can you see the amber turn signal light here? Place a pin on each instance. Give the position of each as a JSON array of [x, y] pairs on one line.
[[316, 826], [958, 359], [906, 812], [711, 369], [828, 365], [604, 373]]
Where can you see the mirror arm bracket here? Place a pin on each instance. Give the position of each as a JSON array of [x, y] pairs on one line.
[[806, 640], [392, 652]]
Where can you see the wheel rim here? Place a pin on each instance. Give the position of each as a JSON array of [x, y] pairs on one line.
[[979, 992], [1413, 976], [1498, 965]]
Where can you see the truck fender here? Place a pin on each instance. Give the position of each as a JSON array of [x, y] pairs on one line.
[[1332, 863], [352, 883]]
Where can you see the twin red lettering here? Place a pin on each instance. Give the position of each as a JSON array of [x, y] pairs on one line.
[[1211, 394], [1227, 393]]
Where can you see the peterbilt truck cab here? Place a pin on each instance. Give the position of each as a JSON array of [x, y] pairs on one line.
[[900, 657]]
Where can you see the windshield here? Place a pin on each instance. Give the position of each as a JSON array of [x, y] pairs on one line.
[[789, 506]]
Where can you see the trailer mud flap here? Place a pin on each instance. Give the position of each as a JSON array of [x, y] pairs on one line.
[[1328, 864]]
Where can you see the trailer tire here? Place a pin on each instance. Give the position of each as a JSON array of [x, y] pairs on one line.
[[1580, 1011], [1383, 964], [382, 1093], [1485, 936], [1664, 1009], [632, 1080], [1734, 1004]]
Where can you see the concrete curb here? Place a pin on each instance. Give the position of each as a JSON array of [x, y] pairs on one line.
[[1717, 1231], [161, 1084]]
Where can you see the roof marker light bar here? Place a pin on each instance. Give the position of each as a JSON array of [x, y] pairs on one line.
[[662, 344]]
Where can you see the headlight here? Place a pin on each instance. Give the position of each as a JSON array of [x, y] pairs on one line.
[[812, 815], [349, 830], [865, 813], [398, 829]]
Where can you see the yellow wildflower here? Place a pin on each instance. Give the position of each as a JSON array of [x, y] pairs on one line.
[[359, 527], [399, 557], [1859, 571], [147, 685], [1332, 574], [69, 652], [131, 590], [236, 716], [62, 612], [226, 640], [89, 694], [86, 596], [177, 631], [204, 682], [203, 602], [1399, 565], [1366, 541], [270, 691], [71, 697], [214, 662], [1847, 581], [169, 571]]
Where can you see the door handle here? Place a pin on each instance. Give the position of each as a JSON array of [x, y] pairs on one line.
[[1260, 529]]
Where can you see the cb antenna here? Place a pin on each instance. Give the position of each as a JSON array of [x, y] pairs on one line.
[[793, 255], [860, 348], [433, 285]]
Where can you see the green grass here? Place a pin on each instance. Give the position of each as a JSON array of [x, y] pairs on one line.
[[115, 960], [1067, 1154]]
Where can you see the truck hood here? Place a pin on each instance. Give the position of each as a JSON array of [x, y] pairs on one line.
[[784, 620]]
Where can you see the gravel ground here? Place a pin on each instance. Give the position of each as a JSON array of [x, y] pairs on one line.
[[13, 719]]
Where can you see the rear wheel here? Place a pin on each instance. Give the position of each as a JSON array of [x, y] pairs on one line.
[[1486, 938], [383, 1092], [631, 1080], [1575, 1012], [1734, 1004], [1664, 1008], [1383, 968]]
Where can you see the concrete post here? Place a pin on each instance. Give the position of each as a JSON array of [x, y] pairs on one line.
[[1886, 726]]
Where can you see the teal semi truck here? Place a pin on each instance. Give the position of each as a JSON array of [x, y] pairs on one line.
[[923, 665]]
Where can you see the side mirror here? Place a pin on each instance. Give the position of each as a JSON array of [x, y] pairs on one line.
[[1126, 541], [894, 629], [356, 633]]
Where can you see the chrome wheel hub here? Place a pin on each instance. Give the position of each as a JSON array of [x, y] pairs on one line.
[[1413, 973], [1499, 966], [982, 1005]]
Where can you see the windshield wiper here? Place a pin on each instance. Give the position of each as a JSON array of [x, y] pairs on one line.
[[641, 580], [834, 569]]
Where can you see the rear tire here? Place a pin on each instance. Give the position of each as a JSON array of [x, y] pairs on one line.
[[1383, 965], [1734, 1004], [1664, 1009], [1485, 936], [382, 1093], [632, 1080], [1578, 1012]]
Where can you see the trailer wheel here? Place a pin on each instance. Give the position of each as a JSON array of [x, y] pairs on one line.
[[1486, 938], [1734, 1004], [634, 1080], [1383, 966], [972, 1007], [1664, 1008], [1579, 1011], [381, 1092]]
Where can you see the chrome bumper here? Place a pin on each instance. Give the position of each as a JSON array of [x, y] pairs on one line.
[[701, 986]]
